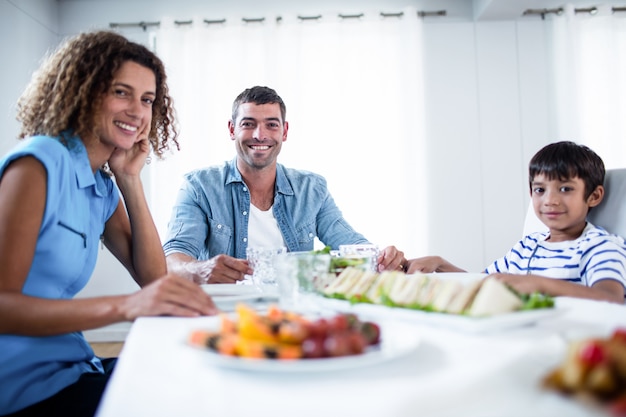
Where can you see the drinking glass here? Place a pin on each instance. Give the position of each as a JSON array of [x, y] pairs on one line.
[[366, 253], [286, 270], [312, 271], [261, 261], [300, 275]]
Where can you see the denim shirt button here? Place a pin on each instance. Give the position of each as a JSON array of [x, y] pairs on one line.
[[219, 226], [245, 239], [310, 234], [244, 189], [245, 213]]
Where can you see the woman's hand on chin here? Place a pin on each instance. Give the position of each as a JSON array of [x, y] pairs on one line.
[[130, 162]]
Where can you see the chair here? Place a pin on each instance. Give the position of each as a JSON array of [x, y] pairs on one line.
[[610, 214]]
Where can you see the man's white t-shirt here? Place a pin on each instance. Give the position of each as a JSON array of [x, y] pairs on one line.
[[263, 231]]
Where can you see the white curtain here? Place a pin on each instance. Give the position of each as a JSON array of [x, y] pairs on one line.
[[354, 96], [589, 56]]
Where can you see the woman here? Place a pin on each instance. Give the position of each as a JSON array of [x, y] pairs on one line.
[[95, 108]]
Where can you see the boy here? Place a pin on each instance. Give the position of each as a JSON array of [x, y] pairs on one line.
[[573, 258]]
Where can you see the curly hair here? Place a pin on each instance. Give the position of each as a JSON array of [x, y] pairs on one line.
[[67, 91]]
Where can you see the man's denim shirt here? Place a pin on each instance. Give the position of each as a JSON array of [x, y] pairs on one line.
[[210, 216]]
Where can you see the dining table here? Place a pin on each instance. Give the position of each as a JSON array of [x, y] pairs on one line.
[[426, 365]]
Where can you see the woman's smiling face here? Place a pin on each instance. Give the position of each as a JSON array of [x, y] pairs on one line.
[[126, 112]]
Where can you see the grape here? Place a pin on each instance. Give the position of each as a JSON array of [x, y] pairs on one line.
[[313, 347], [371, 332], [337, 344]]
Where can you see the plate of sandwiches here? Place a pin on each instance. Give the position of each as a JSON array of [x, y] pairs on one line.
[[469, 302]]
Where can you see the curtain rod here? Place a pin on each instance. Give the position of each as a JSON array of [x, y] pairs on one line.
[[145, 25], [543, 12], [142, 25], [432, 14], [559, 11], [591, 10]]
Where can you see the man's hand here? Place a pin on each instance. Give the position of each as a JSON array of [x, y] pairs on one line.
[[391, 258], [221, 269]]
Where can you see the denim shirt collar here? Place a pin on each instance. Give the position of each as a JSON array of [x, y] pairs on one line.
[[283, 186]]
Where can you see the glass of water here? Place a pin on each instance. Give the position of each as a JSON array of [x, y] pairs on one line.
[[261, 261], [300, 276], [363, 256]]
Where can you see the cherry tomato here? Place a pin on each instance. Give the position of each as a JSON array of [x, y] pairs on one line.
[[592, 353]]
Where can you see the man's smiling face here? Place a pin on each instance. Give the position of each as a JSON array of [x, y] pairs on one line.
[[258, 132]]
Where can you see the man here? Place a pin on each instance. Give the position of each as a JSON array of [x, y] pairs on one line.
[[254, 201]]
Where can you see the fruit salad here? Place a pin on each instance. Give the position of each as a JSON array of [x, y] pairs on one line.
[[285, 335], [594, 368]]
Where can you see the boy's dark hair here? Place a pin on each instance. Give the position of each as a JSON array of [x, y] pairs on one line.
[[566, 160], [259, 95]]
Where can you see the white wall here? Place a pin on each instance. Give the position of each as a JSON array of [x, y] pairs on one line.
[[485, 106], [484, 100], [28, 28]]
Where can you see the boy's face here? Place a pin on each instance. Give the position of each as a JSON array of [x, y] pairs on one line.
[[561, 205]]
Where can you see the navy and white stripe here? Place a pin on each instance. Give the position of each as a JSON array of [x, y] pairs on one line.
[[596, 255]]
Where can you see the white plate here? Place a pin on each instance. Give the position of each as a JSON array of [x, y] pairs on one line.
[[451, 321], [397, 339], [225, 296], [234, 290], [463, 277]]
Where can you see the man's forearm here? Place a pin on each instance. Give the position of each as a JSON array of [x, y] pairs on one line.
[[187, 267]]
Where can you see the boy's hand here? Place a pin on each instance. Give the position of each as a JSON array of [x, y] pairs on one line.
[[523, 284]]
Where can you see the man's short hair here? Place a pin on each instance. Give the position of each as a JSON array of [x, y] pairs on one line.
[[259, 95]]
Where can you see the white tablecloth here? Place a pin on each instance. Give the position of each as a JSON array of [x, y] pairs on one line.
[[450, 373]]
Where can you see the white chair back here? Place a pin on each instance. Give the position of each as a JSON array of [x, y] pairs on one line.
[[610, 214]]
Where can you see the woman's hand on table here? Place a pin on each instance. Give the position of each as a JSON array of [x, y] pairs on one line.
[[170, 295]]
